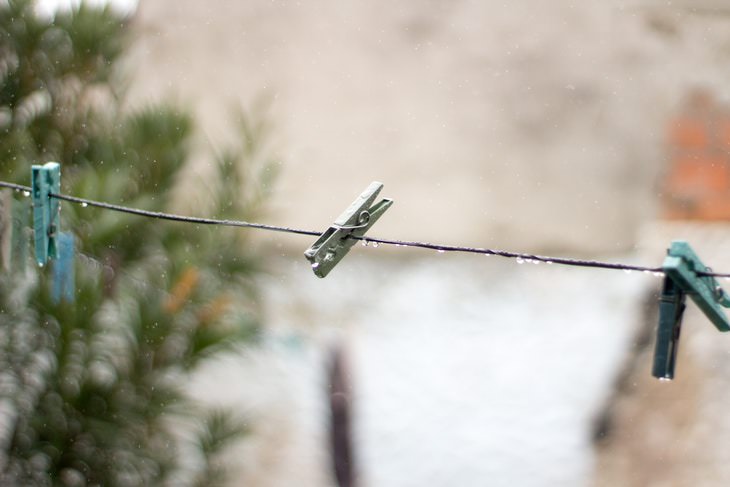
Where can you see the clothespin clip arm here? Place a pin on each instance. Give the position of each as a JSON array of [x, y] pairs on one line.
[[336, 241], [45, 180], [684, 276]]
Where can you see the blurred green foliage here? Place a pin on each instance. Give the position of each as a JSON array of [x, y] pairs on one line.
[[91, 391]]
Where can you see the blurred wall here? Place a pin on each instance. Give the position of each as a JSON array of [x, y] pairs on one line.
[[531, 124]]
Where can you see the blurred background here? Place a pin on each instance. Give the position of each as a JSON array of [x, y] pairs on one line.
[[589, 129]]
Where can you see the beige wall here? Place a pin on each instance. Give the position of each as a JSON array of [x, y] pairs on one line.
[[531, 124]]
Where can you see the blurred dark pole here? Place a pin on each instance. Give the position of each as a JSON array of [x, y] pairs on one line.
[[340, 427]]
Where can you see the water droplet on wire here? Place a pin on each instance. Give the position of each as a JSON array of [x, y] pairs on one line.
[[26, 193], [84, 204], [376, 245], [520, 260], [364, 243]]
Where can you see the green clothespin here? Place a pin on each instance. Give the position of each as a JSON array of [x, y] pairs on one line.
[[336, 242], [683, 272], [46, 179]]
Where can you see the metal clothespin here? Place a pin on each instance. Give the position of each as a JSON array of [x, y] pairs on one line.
[[684, 275], [336, 242], [46, 179]]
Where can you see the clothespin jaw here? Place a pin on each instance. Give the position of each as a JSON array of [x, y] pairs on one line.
[[337, 240], [683, 272], [45, 179], [671, 309]]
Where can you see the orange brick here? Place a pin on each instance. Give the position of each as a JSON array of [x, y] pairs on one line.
[[697, 185]]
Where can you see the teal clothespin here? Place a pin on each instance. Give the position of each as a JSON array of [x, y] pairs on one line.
[[336, 241], [683, 272], [46, 179], [19, 243]]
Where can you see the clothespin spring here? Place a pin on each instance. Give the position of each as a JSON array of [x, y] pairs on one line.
[[363, 220]]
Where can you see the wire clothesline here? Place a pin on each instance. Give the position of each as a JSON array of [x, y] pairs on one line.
[[519, 256]]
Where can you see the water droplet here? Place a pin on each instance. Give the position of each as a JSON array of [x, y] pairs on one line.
[[665, 379], [549, 262], [441, 251], [26, 193], [40, 264], [627, 271], [520, 260], [315, 265], [84, 204], [658, 274], [376, 244], [364, 243], [536, 262]]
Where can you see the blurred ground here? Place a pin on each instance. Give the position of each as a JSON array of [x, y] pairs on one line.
[[465, 370]]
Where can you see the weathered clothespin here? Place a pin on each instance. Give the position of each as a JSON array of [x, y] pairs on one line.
[[46, 179], [336, 242], [685, 274], [64, 282]]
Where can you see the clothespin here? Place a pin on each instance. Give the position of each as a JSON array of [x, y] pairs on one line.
[[64, 282], [46, 179], [337, 240], [684, 275]]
